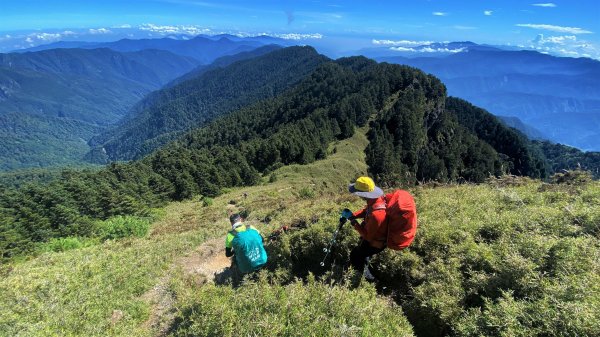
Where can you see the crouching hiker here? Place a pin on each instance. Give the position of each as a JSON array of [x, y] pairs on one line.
[[388, 221], [246, 244]]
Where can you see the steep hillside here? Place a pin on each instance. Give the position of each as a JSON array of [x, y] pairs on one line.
[[557, 95], [52, 102], [224, 61], [193, 103], [504, 251]]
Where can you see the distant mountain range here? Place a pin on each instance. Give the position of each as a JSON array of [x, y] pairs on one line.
[[204, 49], [128, 97], [53, 100], [559, 96]]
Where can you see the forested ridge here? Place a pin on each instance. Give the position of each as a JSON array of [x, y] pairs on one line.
[[415, 135], [196, 101]]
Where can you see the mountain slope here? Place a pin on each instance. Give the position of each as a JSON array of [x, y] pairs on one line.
[[52, 102], [194, 102], [531, 132], [225, 61], [412, 137], [504, 236], [557, 95]]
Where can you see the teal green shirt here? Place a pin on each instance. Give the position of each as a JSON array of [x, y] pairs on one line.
[[241, 228]]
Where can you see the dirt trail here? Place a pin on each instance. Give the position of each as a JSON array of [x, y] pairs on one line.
[[207, 263]]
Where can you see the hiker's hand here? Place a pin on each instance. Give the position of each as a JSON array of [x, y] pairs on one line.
[[347, 214]]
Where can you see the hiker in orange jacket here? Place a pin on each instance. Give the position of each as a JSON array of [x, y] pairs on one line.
[[373, 228]]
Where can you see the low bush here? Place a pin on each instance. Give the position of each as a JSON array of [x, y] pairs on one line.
[[122, 227], [503, 259], [306, 193], [573, 177], [61, 244], [206, 201], [297, 309]]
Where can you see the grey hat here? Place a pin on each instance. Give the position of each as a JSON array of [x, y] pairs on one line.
[[376, 193], [365, 187]]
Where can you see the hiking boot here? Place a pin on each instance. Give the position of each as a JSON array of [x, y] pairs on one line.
[[368, 276]]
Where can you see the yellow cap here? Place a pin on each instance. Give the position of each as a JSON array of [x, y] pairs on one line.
[[364, 184]]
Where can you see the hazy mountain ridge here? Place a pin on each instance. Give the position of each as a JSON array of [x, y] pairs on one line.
[[63, 87], [204, 49], [557, 95]]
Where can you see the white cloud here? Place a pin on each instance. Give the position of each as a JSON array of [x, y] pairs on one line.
[[565, 45], [46, 36], [400, 42], [29, 40], [99, 31], [403, 49], [428, 50], [555, 39], [189, 30], [294, 36], [442, 50], [285, 36], [439, 13], [548, 4], [488, 13], [560, 29], [122, 26]]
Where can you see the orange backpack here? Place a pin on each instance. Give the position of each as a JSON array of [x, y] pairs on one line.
[[401, 217]]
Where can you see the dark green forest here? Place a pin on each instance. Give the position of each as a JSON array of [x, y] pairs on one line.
[[562, 157], [416, 135], [165, 114]]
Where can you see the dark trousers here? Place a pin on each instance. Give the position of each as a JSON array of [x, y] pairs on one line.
[[360, 254]]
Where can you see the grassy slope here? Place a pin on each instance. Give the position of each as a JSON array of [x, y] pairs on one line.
[[77, 292]]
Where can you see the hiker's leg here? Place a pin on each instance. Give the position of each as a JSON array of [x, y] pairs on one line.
[[358, 255], [236, 276]]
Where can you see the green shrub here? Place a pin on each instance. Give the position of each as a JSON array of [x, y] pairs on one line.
[[61, 244], [298, 309], [122, 227], [505, 259], [301, 251], [572, 177], [306, 193], [206, 201]]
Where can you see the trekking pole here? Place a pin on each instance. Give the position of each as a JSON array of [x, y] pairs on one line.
[[327, 250]]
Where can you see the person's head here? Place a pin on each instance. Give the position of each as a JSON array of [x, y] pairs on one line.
[[365, 188], [235, 218]]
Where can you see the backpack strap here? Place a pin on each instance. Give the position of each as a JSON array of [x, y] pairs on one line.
[[233, 232], [379, 206]]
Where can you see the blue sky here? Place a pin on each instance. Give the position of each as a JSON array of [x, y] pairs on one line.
[[567, 28]]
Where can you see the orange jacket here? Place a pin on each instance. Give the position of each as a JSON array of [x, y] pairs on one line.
[[374, 227]]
